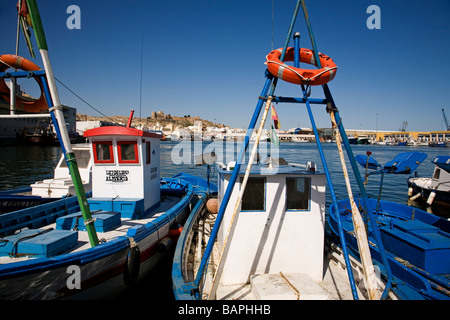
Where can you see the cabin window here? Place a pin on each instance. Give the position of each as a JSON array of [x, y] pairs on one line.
[[127, 151], [254, 194], [82, 157], [148, 154], [437, 173], [103, 152], [298, 193]]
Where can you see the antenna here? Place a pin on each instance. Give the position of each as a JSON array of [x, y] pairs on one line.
[[140, 83]]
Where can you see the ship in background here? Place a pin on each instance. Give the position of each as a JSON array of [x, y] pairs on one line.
[[20, 124]]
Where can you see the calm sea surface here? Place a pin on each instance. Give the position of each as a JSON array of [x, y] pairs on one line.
[[22, 165]]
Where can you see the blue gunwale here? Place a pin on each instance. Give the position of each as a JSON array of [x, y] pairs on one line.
[[86, 256]]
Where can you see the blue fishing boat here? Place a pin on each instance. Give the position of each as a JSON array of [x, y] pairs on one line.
[[83, 246], [135, 213], [268, 239], [438, 144], [417, 243], [435, 189]]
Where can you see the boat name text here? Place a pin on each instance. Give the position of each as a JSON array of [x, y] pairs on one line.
[[117, 175]]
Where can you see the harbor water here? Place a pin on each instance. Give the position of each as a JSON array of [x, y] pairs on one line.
[[21, 166]]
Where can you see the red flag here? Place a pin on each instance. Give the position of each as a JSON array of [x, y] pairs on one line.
[[25, 21], [23, 11], [275, 119]]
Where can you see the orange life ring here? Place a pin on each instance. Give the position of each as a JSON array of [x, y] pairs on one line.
[[12, 61], [301, 76]]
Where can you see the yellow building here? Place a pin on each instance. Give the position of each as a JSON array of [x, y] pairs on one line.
[[402, 136]]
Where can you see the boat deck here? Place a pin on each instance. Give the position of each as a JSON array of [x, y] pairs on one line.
[[295, 286], [167, 202], [335, 286]]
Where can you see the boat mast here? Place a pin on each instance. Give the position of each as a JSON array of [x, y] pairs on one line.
[[60, 125], [13, 81], [337, 123]]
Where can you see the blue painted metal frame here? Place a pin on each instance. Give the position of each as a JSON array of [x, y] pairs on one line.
[[264, 94], [267, 93], [331, 107], [329, 181]]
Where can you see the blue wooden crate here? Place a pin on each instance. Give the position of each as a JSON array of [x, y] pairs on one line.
[[131, 208], [36, 243], [421, 244], [105, 204], [104, 221]]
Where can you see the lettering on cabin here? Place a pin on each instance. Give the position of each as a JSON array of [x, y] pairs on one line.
[[153, 173], [117, 175]]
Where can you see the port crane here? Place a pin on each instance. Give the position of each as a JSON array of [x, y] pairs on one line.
[[404, 125]]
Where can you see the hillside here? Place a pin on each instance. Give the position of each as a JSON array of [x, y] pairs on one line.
[[156, 117]]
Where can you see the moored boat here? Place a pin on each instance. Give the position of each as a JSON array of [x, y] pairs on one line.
[[268, 237], [278, 248], [417, 243], [46, 252], [91, 247], [438, 144], [53, 189], [267, 240], [134, 211], [434, 189]]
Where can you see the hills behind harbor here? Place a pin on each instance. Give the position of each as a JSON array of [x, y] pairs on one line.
[[157, 121]]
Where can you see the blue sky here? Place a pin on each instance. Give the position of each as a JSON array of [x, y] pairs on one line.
[[206, 58]]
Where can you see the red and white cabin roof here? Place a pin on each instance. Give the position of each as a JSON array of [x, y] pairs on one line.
[[119, 131]]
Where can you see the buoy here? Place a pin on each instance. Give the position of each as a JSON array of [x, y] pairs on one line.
[[132, 264], [175, 231], [13, 61], [415, 197], [164, 245], [212, 205], [431, 197], [294, 75], [410, 191]]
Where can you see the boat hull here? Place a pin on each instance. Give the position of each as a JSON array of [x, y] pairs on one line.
[[422, 186], [99, 272], [182, 272], [20, 199]]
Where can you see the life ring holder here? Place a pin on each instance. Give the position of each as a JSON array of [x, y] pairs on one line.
[[16, 62], [297, 75]]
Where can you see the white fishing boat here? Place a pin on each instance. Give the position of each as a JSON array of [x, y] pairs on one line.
[[135, 214], [276, 247], [267, 239]]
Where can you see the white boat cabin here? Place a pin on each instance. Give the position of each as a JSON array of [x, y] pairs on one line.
[[61, 184], [280, 226], [125, 171], [441, 179]]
